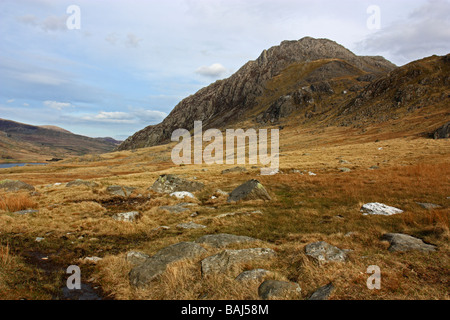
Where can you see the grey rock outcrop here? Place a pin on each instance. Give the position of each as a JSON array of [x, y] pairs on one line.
[[171, 183], [229, 259], [190, 225], [376, 208], [270, 289], [121, 191], [156, 265], [251, 190], [403, 242], [325, 252], [136, 258], [15, 185], [126, 216]]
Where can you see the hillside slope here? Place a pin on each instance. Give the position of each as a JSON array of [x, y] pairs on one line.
[[23, 142], [226, 101]]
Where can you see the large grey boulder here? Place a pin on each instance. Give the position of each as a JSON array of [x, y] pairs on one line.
[[79, 182], [251, 190], [270, 289], [154, 266], [324, 252], [229, 259], [222, 240], [403, 242], [15, 185], [169, 183], [322, 293], [121, 191], [136, 258], [376, 208]]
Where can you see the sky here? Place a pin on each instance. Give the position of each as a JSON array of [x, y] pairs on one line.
[[112, 67]]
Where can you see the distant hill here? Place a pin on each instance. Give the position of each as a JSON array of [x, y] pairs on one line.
[[314, 83], [23, 142]]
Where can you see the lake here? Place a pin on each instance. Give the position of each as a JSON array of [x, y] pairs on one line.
[[10, 165]]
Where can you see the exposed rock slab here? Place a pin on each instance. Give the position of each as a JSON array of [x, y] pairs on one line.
[[169, 183], [190, 225], [228, 259], [154, 266], [325, 252], [277, 289], [136, 258], [222, 240], [376, 208], [28, 211], [251, 190], [174, 209], [403, 242]]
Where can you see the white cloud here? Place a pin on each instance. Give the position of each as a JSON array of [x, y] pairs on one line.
[[136, 116], [425, 31], [50, 23], [57, 105], [10, 101], [214, 70], [132, 41], [26, 104]]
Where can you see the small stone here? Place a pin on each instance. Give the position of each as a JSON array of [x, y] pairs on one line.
[[322, 293], [39, 239], [255, 274], [344, 169], [277, 289], [92, 259], [29, 211], [126, 216], [182, 194], [429, 206]]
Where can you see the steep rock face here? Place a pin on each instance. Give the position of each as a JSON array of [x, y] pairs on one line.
[[227, 100]]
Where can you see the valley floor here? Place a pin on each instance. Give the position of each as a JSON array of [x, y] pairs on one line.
[[76, 222]]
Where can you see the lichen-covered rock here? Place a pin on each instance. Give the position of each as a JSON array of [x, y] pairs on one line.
[[322, 293], [154, 266], [169, 183], [126, 216], [229, 259], [251, 190], [324, 252], [271, 289], [255, 274], [121, 191], [376, 208]]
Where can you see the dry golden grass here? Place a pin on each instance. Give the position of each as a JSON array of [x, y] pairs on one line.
[[76, 222], [16, 202]]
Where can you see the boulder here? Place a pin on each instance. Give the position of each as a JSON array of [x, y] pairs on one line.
[[121, 191], [376, 208], [171, 183], [222, 240], [228, 259], [154, 266], [79, 182], [126, 216], [15, 185], [255, 274], [403, 242], [442, 132], [182, 194], [344, 169], [251, 190], [322, 293], [277, 289], [325, 252], [136, 258]]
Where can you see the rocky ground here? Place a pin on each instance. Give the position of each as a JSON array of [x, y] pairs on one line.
[[141, 228]]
